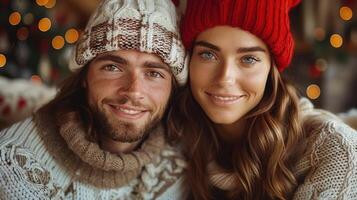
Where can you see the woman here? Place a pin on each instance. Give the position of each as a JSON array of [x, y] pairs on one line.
[[245, 132]]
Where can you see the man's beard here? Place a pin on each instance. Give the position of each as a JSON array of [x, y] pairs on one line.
[[121, 131]]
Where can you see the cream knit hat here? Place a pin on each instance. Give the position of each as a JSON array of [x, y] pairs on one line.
[[144, 25]]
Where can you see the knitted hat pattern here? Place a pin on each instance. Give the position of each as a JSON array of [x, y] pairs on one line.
[[267, 19], [145, 25]]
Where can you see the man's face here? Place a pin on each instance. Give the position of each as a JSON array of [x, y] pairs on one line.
[[128, 91]]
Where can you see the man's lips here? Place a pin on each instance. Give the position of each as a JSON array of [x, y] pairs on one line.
[[130, 112]]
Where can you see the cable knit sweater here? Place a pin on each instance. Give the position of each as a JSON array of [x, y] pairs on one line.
[[328, 168], [39, 162]]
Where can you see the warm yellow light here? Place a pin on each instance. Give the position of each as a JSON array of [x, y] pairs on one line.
[[15, 18], [44, 24], [71, 35], [41, 2], [2, 60], [50, 4], [36, 79], [58, 42], [313, 91], [336, 40], [346, 13], [28, 19], [22, 33]]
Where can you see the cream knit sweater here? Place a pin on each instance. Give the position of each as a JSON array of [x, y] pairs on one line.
[[328, 168], [37, 163]]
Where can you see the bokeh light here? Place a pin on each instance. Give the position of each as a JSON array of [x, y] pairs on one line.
[[346, 13], [336, 40], [41, 2], [57, 42], [44, 24], [71, 36], [313, 91], [2, 60], [15, 18], [50, 4]]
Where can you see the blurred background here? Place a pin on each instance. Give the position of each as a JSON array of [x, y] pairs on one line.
[[37, 37]]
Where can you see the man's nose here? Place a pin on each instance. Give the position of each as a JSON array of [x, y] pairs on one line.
[[134, 86]]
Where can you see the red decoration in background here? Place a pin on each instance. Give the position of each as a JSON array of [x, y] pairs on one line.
[[315, 72], [1, 100], [44, 46], [21, 103], [6, 110]]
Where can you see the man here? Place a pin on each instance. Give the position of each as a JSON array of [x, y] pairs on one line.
[[101, 137]]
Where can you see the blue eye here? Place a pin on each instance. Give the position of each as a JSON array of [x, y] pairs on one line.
[[206, 55], [250, 60]]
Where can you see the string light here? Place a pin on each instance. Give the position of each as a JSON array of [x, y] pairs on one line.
[[336, 40], [2, 60], [50, 4], [71, 36], [22, 33], [57, 42], [15, 18], [44, 24], [346, 13], [313, 91], [41, 2]]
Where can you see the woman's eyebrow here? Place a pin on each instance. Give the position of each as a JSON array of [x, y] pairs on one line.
[[206, 44]]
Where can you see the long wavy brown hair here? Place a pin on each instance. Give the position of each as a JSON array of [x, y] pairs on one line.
[[262, 159], [71, 105]]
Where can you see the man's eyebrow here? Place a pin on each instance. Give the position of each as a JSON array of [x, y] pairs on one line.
[[158, 65], [206, 44], [111, 57]]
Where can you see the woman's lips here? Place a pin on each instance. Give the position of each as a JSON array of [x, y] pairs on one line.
[[223, 99]]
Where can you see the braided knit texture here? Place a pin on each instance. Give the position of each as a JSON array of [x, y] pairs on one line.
[[144, 25], [36, 163]]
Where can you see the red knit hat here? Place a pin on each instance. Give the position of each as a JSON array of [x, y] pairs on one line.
[[267, 19]]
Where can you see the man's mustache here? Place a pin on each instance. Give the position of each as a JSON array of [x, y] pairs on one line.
[[126, 100]]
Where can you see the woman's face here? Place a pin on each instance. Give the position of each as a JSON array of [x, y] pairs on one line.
[[228, 72]]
